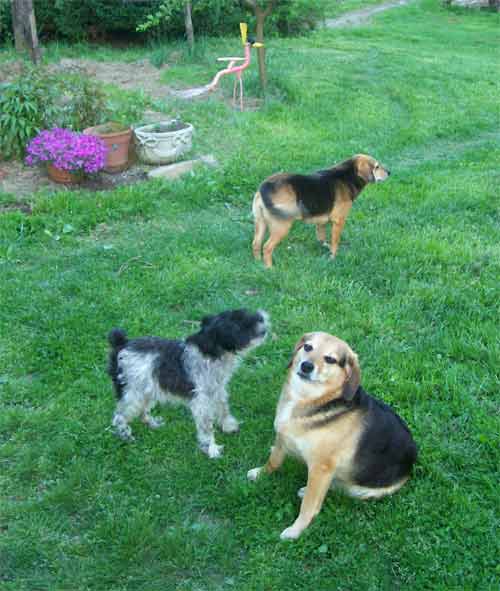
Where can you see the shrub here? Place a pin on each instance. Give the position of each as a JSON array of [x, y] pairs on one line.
[[217, 17], [5, 21], [39, 100], [292, 17], [26, 106], [84, 19], [81, 102]]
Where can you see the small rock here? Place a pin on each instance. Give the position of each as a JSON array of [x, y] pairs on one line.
[[209, 160], [191, 93], [173, 171]]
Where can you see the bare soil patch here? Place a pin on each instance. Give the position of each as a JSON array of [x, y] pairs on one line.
[[21, 180], [362, 16], [131, 76], [16, 206]]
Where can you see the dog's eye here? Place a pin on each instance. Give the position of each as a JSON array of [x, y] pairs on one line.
[[329, 359], [308, 348]]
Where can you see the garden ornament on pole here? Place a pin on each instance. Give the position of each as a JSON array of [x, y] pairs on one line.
[[234, 69], [231, 68]]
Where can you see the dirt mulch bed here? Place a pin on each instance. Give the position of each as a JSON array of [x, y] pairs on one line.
[[19, 206], [133, 76], [22, 180]]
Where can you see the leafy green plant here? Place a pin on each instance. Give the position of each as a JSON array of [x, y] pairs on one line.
[[126, 107], [27, 105], [293, 17], [39, 100], [165, 11], [83, 102]]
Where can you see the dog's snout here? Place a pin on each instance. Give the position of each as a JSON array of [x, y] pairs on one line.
[[306, 367]]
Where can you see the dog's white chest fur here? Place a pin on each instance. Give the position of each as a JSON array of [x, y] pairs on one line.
[[283, 425], [211, 375]]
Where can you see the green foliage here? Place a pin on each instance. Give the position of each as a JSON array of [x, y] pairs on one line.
[[164, 13], [82, 19], [39, 100], [293, 17], [5, 21], [94, 19], [214, 17], [26, 106], [126, 107], [81, 102]]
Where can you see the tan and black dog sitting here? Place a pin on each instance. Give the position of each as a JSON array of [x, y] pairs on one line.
[[345, 436], [319, 198]]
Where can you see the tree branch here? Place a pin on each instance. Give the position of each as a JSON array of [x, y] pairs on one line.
[[269, 8], [253, 5]]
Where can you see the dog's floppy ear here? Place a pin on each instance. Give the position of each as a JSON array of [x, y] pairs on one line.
[[297, 347], [350, 364], [364, 168]]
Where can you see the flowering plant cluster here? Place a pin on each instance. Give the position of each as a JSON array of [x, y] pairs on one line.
[[67, 150]]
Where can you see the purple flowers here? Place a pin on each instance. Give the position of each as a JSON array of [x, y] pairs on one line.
[[67, 150]]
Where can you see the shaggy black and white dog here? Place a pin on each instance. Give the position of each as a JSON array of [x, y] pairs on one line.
[[194, 371]]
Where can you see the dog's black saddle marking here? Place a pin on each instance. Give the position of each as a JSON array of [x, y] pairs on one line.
[[386, 451], [168, 367], [315, 193]]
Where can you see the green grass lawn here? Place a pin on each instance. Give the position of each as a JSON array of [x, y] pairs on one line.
[[414, 290]]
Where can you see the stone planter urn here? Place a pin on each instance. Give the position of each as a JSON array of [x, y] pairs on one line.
[[164, 142]]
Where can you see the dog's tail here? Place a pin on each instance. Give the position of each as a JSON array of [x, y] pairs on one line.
[[267, 190], [260, 225], [117, 338]]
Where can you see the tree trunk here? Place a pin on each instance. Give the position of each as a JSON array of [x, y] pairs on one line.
[[188, 23], [17, 25], [261, 51], [261, 15], [24, 25]]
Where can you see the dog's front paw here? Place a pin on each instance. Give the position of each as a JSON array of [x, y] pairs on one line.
[[215, 451], [125, 436], [253, 474], [290, 533], [230, 425], [124, 433], [154, 422]]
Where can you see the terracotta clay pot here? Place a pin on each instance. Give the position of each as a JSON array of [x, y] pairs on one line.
[[117, 139], [65, 177]]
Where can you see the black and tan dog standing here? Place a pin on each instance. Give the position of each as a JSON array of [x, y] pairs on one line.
[[345, 436], [319, 198]]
